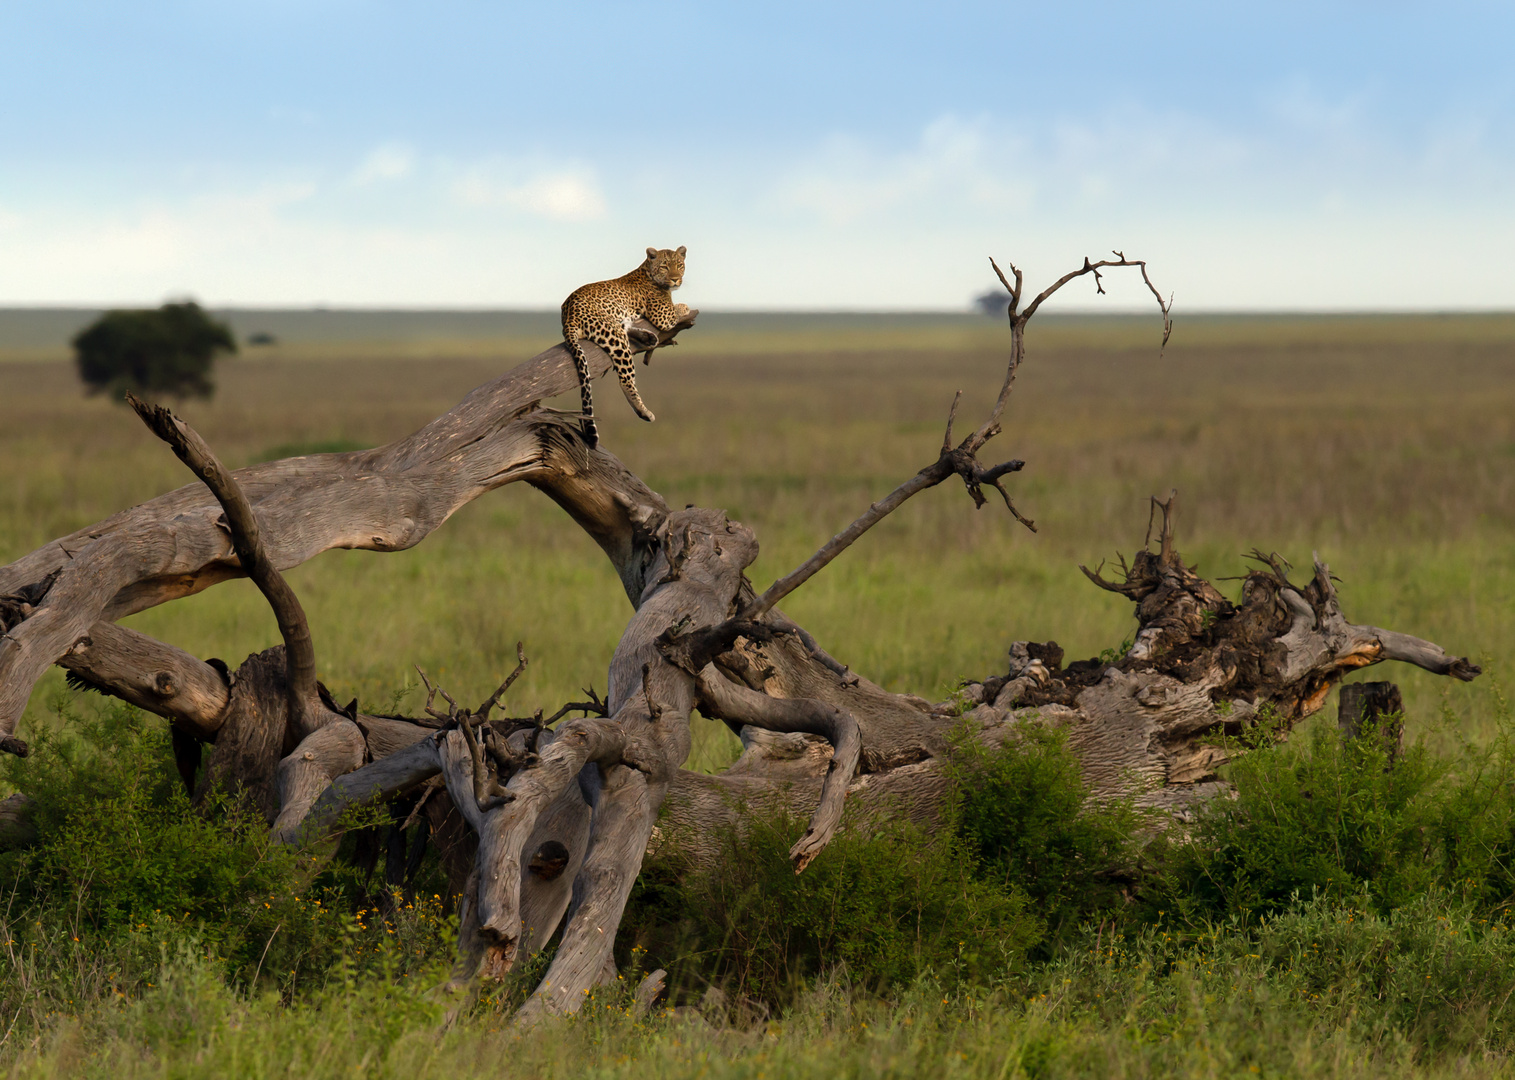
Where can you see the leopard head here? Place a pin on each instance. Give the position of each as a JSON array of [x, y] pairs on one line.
[[665, 267]]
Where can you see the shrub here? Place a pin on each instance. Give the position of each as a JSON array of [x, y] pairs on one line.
[[883, 908], [125, 873], [1323, 816], [167, 351], [1431, 975], [1024, 813]]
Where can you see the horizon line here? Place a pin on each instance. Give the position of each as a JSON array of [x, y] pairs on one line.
[[1121, 311]]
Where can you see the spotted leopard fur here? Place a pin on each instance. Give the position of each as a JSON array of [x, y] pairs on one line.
[[604, 311]]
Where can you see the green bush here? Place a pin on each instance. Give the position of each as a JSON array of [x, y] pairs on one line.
[[1024, 813], [163, 351], [1333, 896], [882, 909], [1323, 816], [125, 873]]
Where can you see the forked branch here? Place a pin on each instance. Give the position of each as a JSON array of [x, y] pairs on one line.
[[480, 737], [961, 460], [1019, 319]]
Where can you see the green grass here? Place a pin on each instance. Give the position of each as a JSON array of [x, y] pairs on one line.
[[1212, 1014], [902, 955], [1388, 444]]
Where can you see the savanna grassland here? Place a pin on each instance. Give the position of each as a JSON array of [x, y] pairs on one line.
[[1348, 939]]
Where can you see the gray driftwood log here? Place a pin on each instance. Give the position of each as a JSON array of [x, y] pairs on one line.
[[545, 829]]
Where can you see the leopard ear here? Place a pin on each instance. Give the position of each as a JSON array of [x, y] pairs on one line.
[[683, 250], [652, 253]]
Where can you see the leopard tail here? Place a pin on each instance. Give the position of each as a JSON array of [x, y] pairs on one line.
[[586, 396]]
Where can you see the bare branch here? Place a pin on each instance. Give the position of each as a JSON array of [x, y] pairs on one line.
[[1424, 654], [784, 624], [1013, 290], [1168, 508], [151, 675], [1276, 563], [1109, 586], [962, 460], [482, 712], [593, 707], [431, 696], [247, 542], [928, 477], [479, 738], [951, 416], [480, 769], [725, 700], [1165, 306]]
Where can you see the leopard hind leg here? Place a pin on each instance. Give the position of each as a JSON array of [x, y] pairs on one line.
[[617, 344], [586, 395]]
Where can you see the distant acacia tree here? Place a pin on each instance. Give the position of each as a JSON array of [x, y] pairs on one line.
[[156, 353], [995, 303]]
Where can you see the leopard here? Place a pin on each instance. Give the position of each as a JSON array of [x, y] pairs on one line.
[[603, 312]]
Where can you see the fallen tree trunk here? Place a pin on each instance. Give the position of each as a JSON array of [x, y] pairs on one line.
[[1154, 725], [562, 817]]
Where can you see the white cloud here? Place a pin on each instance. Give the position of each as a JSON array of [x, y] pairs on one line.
[[557, 196], [392, 161], [1297, 104], [954, 160], [1258, 215], [142, 253]]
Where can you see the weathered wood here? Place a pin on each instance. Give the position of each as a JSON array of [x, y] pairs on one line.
[[625, 810], [17, 829], [1375, 709], [1363, 704], [553, 856], [624, 763], [727, 701], [503, 831], [252, 737], [345, 784], [152, 675]]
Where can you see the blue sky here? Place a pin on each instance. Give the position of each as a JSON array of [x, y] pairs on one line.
[[1281, 156]]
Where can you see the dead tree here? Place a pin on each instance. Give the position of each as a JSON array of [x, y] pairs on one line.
[[562, 816]]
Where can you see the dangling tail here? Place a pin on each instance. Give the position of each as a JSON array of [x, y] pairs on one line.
[[586, 397]]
